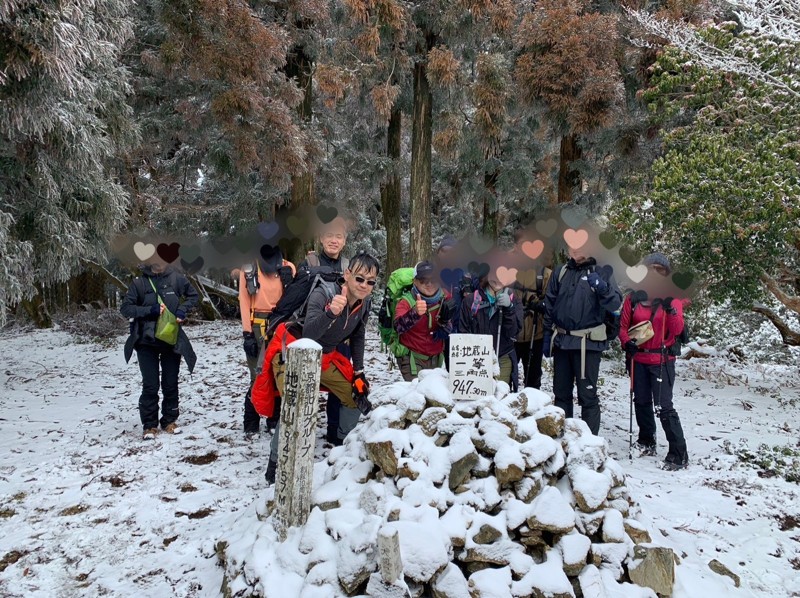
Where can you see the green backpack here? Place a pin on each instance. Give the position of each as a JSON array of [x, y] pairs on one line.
[[399, 285]]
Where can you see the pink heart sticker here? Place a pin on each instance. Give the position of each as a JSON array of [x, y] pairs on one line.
[[533, 249], [576, 238], [506, 276]]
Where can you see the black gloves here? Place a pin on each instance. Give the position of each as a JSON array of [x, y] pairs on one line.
[[547, 341], [361, 392], [250, 345], [465, 286], [667, 305], [631, 347], [155, 310], [535, 306], [285, 274], [446, 311]]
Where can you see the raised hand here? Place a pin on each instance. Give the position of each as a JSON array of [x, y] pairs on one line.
[[338, 302]]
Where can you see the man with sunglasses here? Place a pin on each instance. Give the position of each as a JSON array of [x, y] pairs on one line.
[[421, 318], [333, 315]]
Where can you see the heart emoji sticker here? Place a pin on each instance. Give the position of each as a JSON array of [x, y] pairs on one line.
[[683, 280], [547, 227], [533, 249], [636, 273], [576, 238], [168, 253], [144, 251], [506, 276]]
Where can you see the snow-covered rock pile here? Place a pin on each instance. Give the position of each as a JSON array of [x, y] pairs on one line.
[[493, 497]]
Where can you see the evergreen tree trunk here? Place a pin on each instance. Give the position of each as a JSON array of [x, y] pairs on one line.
[[568, 177], [421, 137], [490, 207], [299, 67], [390, 195], [37, 310]]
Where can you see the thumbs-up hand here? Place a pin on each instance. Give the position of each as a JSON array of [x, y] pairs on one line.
[[422, 307], [338, 302]]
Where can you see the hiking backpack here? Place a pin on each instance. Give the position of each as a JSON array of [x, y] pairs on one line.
[[399, 284], [292, 305], [681, 339], [611, 319]]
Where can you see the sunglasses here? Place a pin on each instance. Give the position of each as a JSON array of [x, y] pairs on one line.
[[362, 280], [426, 281]]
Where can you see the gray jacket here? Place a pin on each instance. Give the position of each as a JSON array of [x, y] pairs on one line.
[[328, 330]]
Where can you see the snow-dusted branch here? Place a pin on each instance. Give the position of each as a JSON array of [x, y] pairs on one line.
[[776, 19]]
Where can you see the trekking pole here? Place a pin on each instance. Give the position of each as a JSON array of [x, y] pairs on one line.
[[530, 348], [660, 379], [630, 418]]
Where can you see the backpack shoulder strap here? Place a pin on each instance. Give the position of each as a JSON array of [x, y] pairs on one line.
[[562, 272], [312, 259], [345, 263]]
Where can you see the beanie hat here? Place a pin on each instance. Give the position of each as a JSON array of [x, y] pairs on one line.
[[657, 259]]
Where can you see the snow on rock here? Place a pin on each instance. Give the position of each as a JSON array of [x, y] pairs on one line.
[[490, 583], [435, 387], [495, 496]]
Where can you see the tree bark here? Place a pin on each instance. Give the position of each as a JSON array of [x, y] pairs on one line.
[[568, 178], [303, 191], [390, 194], [790, 302], [789, 336], [37, 310], [490, 206], [421, 137]]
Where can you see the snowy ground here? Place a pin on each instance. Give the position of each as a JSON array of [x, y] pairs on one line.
[[87, 508]]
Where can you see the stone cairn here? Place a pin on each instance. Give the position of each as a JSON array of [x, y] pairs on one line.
[[433, 497]]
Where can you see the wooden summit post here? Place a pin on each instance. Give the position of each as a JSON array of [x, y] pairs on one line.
[[297, 435]]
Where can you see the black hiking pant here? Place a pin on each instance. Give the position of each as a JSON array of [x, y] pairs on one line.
[[152, 359], [567, 373], [533, 354], [649, 393]]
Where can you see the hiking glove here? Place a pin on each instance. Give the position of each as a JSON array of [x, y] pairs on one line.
[[155, 310], [503, 299], [547, 341], [535, 306], [631, 346], [598, 284], [250, 345], [361, 392], [446, 311], [667, 305], [285, 274], [180, 314]]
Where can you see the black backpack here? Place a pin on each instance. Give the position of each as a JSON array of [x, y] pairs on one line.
[[681, 339], [291, 307]]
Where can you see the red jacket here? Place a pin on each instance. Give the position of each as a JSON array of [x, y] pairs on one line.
[[666, 326], [265, 390]]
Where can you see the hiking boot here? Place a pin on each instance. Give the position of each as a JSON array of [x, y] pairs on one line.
[[671, 466], [645, 450], [173, 428], [271, 423], [272, 469], [150, 434]]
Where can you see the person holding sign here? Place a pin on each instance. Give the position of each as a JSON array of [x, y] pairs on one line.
[[421, 319], [580, 296], [495, 311]]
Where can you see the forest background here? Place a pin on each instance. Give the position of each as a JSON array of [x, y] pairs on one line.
[[673, 122]]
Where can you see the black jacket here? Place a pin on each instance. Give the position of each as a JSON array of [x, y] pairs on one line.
[[572, 305], [474, 319], [177, 293]]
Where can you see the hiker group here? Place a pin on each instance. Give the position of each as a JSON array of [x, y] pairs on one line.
[[569, 313]]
